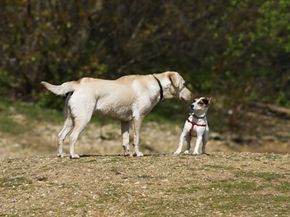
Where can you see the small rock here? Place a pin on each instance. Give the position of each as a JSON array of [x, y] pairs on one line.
[[41, 178]]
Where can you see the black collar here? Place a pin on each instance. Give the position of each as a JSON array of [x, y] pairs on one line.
[[160, 86]]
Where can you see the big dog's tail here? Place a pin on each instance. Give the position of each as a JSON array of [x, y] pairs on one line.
[[62, 89]]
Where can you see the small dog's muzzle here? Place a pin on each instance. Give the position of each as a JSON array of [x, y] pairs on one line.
[[192, 106]]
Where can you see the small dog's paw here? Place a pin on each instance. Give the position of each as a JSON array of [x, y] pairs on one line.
[[74, 156], [62, 155], [176, 153], [139, 154], [195, 153], [128, 154], [186, 152]]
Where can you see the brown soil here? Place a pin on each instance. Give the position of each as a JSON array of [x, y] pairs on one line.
[[222, 184]]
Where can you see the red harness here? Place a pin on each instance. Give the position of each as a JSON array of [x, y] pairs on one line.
[[195, 124]]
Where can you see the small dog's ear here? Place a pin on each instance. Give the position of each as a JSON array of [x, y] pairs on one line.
[[173, 79], [206, 100], [209, 100]]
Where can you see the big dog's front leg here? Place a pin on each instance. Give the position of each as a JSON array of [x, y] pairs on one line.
[[125, 126], [137, 121]]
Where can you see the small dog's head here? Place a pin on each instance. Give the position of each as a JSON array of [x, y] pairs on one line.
[[200, 104]]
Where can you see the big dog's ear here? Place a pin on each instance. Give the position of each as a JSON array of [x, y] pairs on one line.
[[173, 78]]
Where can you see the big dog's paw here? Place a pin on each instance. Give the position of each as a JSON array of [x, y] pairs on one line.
[[139, 154], [74, 156]]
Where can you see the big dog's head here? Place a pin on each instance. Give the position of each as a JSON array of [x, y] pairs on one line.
[[174, 86]]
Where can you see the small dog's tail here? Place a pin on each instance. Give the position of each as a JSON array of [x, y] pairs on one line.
[[62, 89]]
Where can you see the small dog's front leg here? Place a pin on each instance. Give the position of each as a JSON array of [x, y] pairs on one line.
[[188, 140], [204, 141], [181, 141], [197, 144]]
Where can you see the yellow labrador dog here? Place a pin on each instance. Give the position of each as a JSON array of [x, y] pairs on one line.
[[127, 99]]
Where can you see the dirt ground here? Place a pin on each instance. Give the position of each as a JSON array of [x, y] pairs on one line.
[[231, 181], [222, 184]]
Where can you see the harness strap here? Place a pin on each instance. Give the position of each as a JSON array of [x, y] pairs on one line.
[[194, 124]]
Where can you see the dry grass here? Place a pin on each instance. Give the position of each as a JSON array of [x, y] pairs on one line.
[[237, 184]]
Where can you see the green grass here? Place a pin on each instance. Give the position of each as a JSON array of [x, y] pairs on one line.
[[235, 202], [18, 117], [229, 186], [283, 187], [7, 215], [8, 125], [191, 188], [12, 182], [267, 176]]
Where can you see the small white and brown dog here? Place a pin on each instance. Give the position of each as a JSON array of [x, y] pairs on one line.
[[195, 125]]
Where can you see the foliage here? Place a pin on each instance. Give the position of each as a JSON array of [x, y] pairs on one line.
[[241, 46]]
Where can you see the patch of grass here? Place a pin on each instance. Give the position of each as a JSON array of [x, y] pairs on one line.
[[8, 215], [8, 125], [267, 176], [111, 193], [145, 177], [272, 157], [246, 202], [9, 182], [186, 189], [231, 186], [283, 187], [29, 110], [165, 206], [218, 167], [80, 205], [37, 113]]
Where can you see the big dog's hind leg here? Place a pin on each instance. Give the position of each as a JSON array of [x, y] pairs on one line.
[[67, 127], [79, 125], [81, 110]]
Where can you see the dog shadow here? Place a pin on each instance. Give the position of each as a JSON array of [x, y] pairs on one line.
[[145, 155], [120, 155]]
